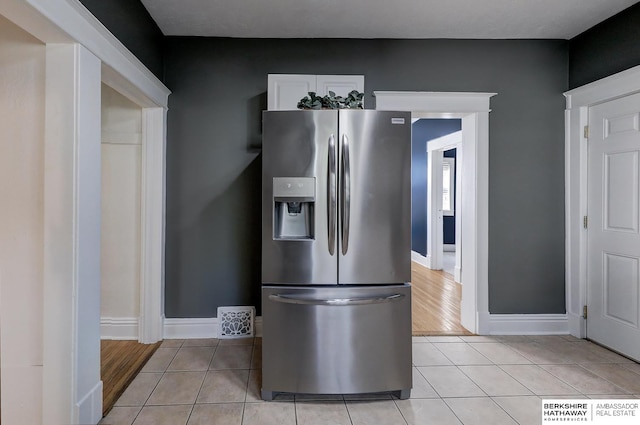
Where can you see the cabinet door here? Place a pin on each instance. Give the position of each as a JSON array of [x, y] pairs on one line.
[[341, 85], [286, 90]]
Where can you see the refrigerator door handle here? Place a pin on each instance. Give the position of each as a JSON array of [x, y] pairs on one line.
[[376, 299], [331, 189], [346, 193]]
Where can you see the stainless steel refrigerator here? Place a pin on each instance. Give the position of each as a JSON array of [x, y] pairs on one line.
[[336, 252]]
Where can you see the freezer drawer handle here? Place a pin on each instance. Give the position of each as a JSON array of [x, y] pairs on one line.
[[292, 299]]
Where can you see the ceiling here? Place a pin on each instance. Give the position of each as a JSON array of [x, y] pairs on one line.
[[497, 19]]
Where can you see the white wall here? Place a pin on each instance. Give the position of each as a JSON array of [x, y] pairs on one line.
[[121, 214], [22, 91]]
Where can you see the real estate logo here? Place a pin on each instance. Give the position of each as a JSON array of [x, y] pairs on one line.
[[599, 412]]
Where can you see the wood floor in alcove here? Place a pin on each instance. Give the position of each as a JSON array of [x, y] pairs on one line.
[[120, 362], [435, 302]]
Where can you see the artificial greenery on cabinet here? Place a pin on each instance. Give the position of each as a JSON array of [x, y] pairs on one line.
[[353, 100]]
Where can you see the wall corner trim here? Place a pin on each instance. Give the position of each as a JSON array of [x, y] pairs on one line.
[[89, 408]]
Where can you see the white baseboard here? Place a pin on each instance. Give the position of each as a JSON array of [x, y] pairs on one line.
[[457, 275], [89, 408], [493, 324], [527, 324], [206, 327], [258, 326], [119, 328], [421, 259], [199, 328]]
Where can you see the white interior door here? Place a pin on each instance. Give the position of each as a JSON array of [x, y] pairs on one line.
[[613, 294]]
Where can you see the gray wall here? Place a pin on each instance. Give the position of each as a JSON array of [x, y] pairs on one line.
[[609, 47], [130, 22], [213, 161]]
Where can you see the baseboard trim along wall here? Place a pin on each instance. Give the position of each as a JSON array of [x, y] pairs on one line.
[[119, 328], [126, 328], [498, 324], [421, 259], [198, 328], [527, 324]]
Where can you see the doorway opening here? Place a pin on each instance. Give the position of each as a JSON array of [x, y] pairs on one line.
[[444, 204], [122, 322], [473, 111], [435, 227]]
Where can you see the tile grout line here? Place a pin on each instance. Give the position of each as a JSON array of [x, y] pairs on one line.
[[204, 378], [587, 370], [161, 376], [452, 411], [509, 414], [467, 345], [608, 380], [489, 396], [346, 406], [156, 385], [246, 393], [395, 402]]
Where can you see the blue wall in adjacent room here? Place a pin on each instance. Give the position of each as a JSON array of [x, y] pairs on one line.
[[421, 132]]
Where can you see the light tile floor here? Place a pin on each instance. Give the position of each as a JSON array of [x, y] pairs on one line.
[[456, 380]]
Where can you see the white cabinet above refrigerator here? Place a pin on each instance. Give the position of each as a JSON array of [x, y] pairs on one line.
[[285, 90]]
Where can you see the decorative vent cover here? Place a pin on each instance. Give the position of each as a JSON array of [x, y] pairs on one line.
[[235, 322]]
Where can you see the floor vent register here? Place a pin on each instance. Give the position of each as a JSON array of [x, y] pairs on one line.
[[236, 322]]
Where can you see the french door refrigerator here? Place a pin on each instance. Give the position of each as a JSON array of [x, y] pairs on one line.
[[336, 252]]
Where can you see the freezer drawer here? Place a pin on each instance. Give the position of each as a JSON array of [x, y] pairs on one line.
[[336, 340]]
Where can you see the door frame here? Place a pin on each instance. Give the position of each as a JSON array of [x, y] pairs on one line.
[[578, 102], [81, 53], [435, 243], [473, 109], [152, 208]]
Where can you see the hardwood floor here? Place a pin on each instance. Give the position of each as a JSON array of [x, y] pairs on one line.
[[435, 302], [120, 362]]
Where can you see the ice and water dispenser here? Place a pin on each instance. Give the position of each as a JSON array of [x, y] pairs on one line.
[[293, 203]]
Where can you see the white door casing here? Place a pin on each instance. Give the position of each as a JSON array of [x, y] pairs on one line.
[[613, 241], [434, 209], [473, 109], [435, 149], [60, 24], [578, 102]]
